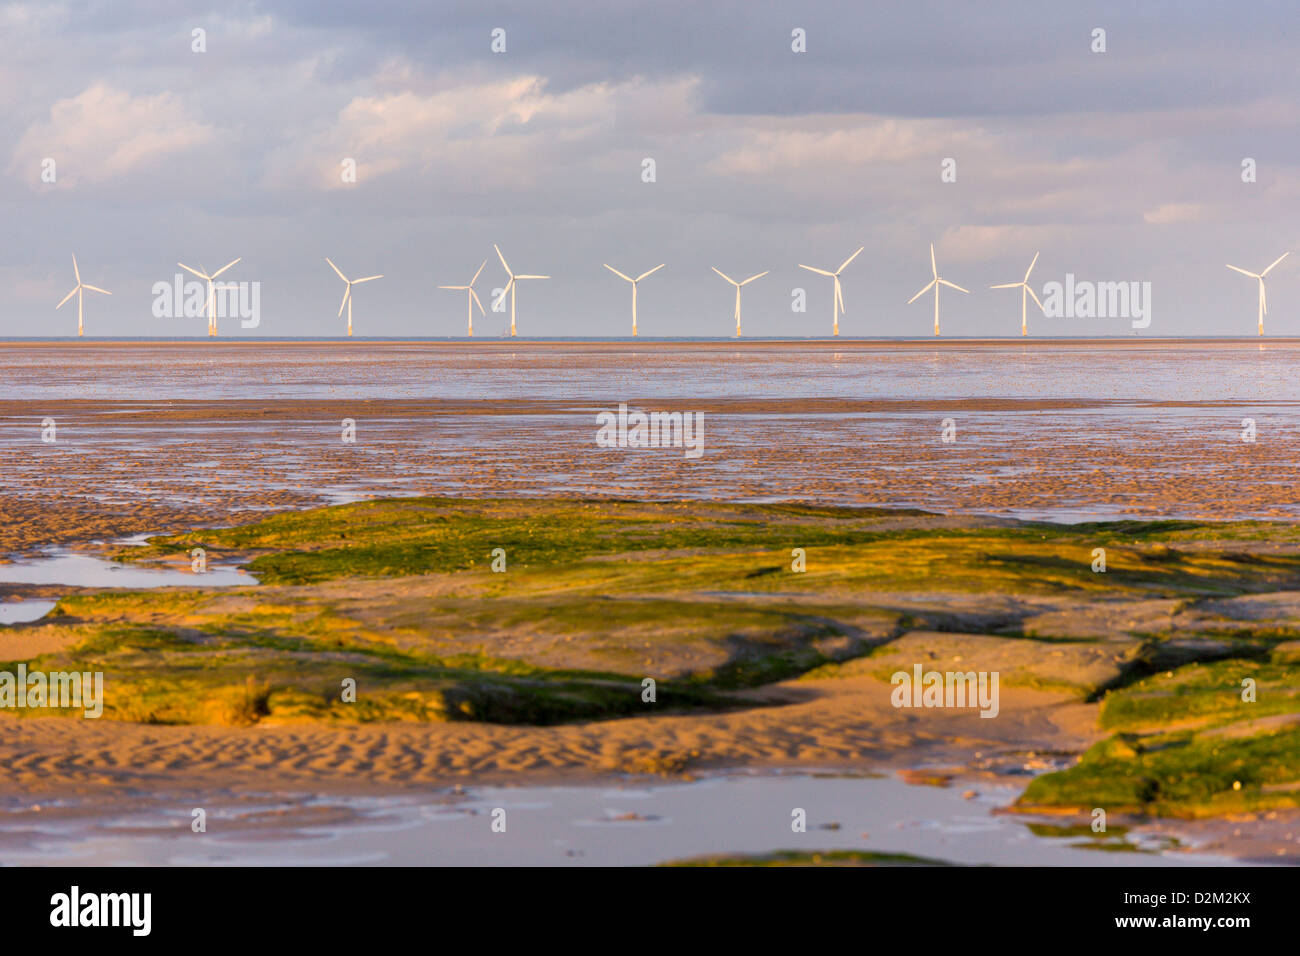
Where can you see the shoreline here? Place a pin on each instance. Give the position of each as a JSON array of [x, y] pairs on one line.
[[648, 343]]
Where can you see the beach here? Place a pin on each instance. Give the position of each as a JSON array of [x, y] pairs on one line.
[[949, 438]]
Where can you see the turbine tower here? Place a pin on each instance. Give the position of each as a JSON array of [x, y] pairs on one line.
[[738, 286], [1025, 292], [935, 283], [212, 294], [510, 286], [838, 304], [78, 293], [634, 282], [347, 293], [470, 299], [1263, 301]]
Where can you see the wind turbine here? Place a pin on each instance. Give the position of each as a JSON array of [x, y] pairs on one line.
[[634, 282], [1025, 292], [78, 293], [510, 286], [347, 293], [1263, 302], [838, 304], [212, 295], [936, 282], [738, 287], [470, 299]]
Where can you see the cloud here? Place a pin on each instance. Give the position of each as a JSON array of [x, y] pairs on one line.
[[507, 134], [105, 133], [1171, 212]]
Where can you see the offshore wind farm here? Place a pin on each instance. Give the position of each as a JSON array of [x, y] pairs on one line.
[[1073, 299]]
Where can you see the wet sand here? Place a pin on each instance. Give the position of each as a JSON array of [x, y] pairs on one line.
[[845, 722], [163, 437], [129, 467]]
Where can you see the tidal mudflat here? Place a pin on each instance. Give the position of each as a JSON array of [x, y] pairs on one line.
[[1162, 689], [538, 669], [161, 436]]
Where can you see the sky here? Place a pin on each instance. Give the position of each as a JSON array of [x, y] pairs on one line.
[[1117, 166]]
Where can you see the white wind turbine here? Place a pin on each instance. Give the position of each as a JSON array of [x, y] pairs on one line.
[[78, 293], [738, 287], [1025, 292], [510, 286], [936, 282], [470, 299], [212, 295], [1263, 302], [347, 293], [634, 282], [838, 304]]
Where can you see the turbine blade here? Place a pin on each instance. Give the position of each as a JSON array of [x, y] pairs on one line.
[[848, 260], [922, 292], [75, 270], [1244, 272], [651, 272], [821, 272], [68, 296], [1275, 262], [477, 274], [460, 288], [532, 277], [953, 285], [1263, 296], [616, 272], [723, 274], [336, 269], [1007, 285], [503, 259], [95, 288], [934, 269], [759, 276], [474, 295], [346, 292], [1030, 290], [191, 271], [367, 278], [225, 267], [1031, 267]]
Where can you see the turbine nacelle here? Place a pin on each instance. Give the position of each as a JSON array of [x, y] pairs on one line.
[[1024, 287], [1263, 296], [471, 299], [634, 282], [78, 291], [837, 304], [347, 290], [739, 286], [510, 286], [934, 284], [211, 303]]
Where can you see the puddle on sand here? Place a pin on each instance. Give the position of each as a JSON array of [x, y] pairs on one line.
[[16, 612], [620, 824], [88, 571]]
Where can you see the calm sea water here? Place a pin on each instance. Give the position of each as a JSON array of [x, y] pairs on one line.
[[1241, 371]]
